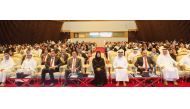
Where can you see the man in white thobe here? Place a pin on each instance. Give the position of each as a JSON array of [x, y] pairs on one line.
[[27, 68], [120, 65], [6, 67], [168, 67], [185, 61]]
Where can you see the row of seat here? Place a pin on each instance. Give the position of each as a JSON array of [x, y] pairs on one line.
[[87, 68]]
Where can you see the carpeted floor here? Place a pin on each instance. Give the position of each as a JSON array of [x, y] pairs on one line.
[[130, 84]]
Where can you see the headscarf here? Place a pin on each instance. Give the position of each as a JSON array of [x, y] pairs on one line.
[[96, 57], [121, 51], [162, 56], [10, 61]]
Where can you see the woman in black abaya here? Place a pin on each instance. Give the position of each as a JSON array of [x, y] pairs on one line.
[[98, 64]]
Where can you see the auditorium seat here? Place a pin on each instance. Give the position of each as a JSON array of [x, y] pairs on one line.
[[18, 55], [17, 61], [111, 56], [179, 57], [1, 57]]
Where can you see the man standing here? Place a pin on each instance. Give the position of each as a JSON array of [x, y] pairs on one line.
[[52, 65]]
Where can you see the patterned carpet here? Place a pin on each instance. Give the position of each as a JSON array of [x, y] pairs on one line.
[[129, 84]]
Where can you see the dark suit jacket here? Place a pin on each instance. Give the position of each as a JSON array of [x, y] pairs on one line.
[[42, 57], [78, 64], [57, 63], [139, 62]]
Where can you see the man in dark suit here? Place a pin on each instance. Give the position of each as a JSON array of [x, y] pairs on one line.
[[74, 65], [145, 64], [52, 65]]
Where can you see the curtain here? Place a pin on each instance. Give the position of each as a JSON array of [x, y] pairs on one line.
[[160, 30], [29, 31], [35, 31]]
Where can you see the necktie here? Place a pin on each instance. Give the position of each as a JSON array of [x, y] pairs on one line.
[[146, 64], [44, 59], [73, 64], [51, 63]]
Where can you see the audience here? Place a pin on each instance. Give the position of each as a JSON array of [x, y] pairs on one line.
[[66, 53]]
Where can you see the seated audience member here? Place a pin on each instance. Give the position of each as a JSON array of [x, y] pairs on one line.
[[153, 52], [173, 53], [120, 65], [145, 64], [27, 68], [52, 65], [11, 52], [99, 70], [45, 56], [133, 56], [64, 57], [6, 66], [74, 66], [27, 51], [168, 67], [84, 55], [93, 52], [37, 51], [89, 55], [182, 49]]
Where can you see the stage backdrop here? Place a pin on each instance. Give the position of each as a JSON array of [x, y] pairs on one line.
[[159, 30], [29, 31]]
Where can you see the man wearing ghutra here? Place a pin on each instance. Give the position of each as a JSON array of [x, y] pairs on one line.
[[168, 67], [120, 65]]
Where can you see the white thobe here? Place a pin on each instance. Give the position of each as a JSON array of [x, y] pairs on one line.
[[170, 73], [185, 61], [7, 66], [121, 74], [28, 66]]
